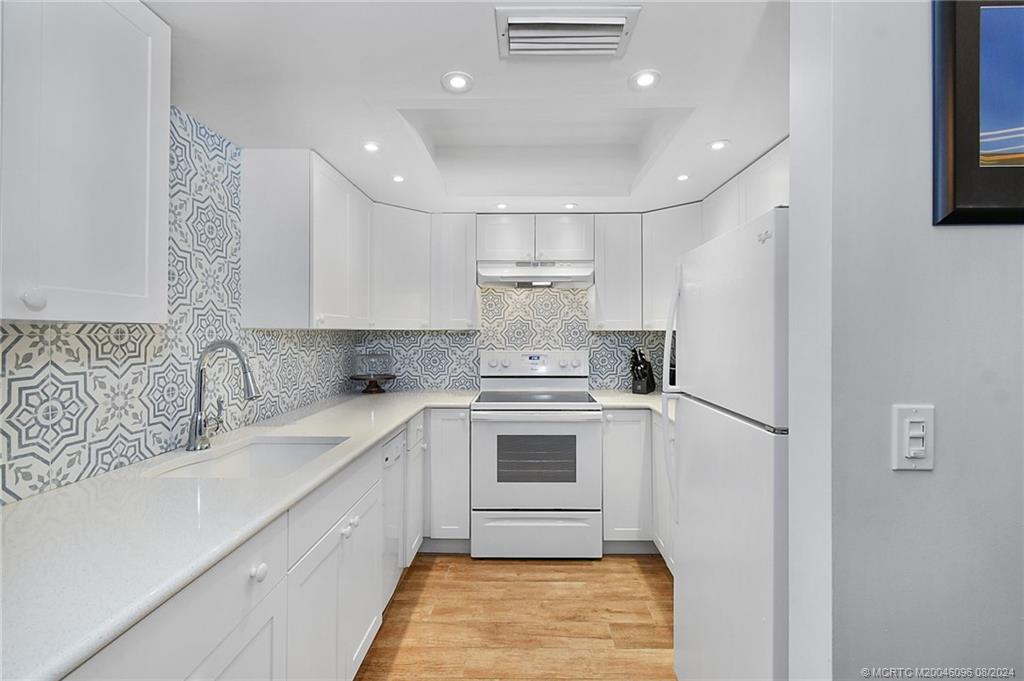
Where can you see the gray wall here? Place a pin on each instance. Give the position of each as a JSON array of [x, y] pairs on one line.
[[927, 567]]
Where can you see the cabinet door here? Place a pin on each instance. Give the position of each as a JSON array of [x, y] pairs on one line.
[[358, 266], [449, 473], [616, 300], [414, 496], [400, 268], [313, 601], [667, 234], [84, 175], [360, 579], [453, 291], [329, 249], [256, 649], [627, 474], [721, 210], [663, 523], [765, 184], [565, 237], [504, 237], [394, 501]]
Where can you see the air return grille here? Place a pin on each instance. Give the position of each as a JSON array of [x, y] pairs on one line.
[[564, 31]]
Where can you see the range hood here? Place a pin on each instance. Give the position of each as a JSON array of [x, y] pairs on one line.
[[535, 274]]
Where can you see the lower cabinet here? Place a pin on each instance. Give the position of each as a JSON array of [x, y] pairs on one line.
[[627, 474], [663, 523], [415, 482], [255, 650], [449, 473], [360, 606], [394, 501]]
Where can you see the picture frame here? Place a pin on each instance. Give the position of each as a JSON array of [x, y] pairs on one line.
[[978, 173]]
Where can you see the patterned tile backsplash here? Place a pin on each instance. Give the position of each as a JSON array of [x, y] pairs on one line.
[[511, 319], [78, 400]]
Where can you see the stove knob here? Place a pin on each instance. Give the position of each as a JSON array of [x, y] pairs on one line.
[[505, 363], [563, 363], [576, 364], [492, 363]]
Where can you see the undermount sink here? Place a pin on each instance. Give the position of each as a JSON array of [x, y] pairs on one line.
[[259, 458]]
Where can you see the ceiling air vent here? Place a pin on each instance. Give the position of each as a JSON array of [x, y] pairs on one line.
[[565, 31]]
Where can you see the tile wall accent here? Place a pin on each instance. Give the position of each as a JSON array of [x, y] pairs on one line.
[[511, 319], [77, 400]]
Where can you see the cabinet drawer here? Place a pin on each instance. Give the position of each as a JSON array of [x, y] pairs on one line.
[[414, 431], [309, 519], [174, 639]]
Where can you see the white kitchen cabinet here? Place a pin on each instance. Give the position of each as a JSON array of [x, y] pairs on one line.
[[399, 268], [361, 607], [454, 302], [626, 443], [720, 211], [394, 502], [667, 234], [663, 522], [84, 174], [305, 245], [228, 623], [505, 237], [565, 236], [759, 188], [616, 299], [449, 473], [415, 493]]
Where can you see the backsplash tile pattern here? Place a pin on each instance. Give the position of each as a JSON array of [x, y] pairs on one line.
[[77, 400], [512, 319]]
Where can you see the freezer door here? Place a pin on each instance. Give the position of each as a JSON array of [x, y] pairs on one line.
[[730, 587], [732, 316]]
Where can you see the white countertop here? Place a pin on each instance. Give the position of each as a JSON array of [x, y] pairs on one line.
[[83, 563]]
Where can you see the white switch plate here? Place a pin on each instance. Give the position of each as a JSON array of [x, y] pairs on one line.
[[913, 437]]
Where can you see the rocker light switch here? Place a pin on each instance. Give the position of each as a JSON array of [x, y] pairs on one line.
[[913, 437]]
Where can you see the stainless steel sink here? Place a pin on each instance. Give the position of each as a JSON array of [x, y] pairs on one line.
[[258, 458]]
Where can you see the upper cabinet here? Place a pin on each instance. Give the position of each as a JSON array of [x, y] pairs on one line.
[[505, 237], [667, 234], [400, 268], [616, 299], [453, 291], [305, 243], [564, 236], [84, 175], [761, 187]]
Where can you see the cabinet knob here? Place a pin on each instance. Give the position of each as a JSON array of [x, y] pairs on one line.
[[423, 446], [371, 324], [609, 417], [346, 532], [34, 299], [259, 572], [355, 521], [600, 325], [462, 416]]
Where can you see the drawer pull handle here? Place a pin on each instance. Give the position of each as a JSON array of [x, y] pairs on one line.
[[259, 572], [346, 532], [355, 521]]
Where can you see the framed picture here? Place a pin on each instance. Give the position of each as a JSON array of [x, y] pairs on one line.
[[978, 118]]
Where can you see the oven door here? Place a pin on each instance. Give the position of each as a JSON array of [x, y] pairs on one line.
[[541, 460]]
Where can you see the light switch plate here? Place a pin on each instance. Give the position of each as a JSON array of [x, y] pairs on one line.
[[913, 437]]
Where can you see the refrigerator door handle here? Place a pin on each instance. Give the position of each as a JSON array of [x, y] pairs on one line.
[[669, 426], [670, 327]]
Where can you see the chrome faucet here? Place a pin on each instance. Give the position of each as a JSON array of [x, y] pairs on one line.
[[197, 423]]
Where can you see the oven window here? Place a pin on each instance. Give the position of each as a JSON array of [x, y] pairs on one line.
[[536, 458]]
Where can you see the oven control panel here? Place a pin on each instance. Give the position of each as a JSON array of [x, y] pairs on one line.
[[544, 363]]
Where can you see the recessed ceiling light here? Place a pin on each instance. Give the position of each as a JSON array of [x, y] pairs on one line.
[[502, 206], [683, 178], [718, 145], [644, 80], [398, 178], [371, 146], [570, 206], [457, 81]]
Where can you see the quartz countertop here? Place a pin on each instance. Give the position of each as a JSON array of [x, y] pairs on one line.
[[83, 563]]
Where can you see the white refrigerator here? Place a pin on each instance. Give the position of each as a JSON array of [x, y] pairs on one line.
[[729, 460]]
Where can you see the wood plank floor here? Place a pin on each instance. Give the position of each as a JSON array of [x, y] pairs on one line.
[[453, 617]]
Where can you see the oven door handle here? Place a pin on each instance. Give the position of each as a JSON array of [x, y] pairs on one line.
[[535, 416]]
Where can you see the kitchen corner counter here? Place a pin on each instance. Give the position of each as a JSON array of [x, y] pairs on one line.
[[83, 563], [620, 399]]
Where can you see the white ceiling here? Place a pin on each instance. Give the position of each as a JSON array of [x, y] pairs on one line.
[[534, 132]]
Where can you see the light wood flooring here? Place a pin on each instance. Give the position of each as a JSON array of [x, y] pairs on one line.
[[453, 617]]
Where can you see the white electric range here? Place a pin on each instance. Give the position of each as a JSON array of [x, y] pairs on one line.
[[536, 458]]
